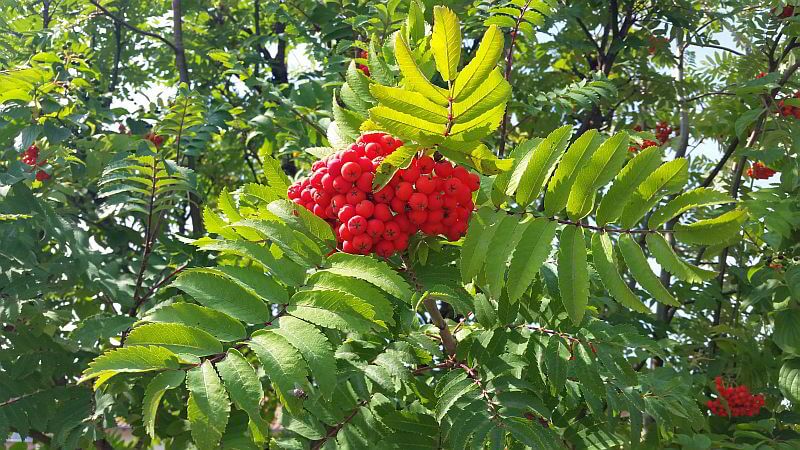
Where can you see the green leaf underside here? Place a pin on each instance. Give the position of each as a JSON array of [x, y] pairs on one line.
[[606, 265], [152, 396], [573, 275], [641, 271], [208, 408]]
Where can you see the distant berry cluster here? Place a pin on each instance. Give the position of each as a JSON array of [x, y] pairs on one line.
[[741, 403], [759, 171], [428, 196], [662, 131], [788, 110], [31, 158], [363, 54]]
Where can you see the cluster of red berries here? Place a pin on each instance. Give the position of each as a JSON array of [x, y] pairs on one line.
[[31, 158], [656, 43], [739, 399], [428, 196], [662, 132], [156, 139], [788, 110], [362, 67], [759, 171]]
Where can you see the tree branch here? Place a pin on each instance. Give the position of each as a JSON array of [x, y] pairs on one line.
[[131, 27]]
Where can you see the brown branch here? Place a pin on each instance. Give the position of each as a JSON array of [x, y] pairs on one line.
[[509, 63], [116, 19], [335, 430]]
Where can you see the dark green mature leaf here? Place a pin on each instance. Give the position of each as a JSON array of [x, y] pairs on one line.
[[601, 168], [209, 406], [712, 231], [533, 170], [531, 433], [533, 248], [129, 360], [315, 348], [573, 275], [686, 201], [576, 157], [176, 337], [476, 244], [666, 257], [219, 325], [625, 183], [372, 271], [244, 387], [162, 382], [789, 380], [667, 179], [787, 330], [641, 271], [500, 250], [218, 292], [605, 263], [333, 309], [283, 364]]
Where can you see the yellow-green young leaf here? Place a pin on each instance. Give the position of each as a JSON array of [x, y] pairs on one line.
[[217, 324], [485, 60], [177, 337], [605, 262], [498, 254], [666, 257], [274, 173], [641, 271], [244, 387], [218, 292], [208, 408], [352, 100], [482, 227], [474, 154], [667, 179], [284, 366], [415, 22], [529, 255], [364, 291], [487, 96], [535, 168], [446, 42], [413, 76], [399, 159], [410, 102], [407, 126], [214, 224], [626, 182], [573, 272], [333, 309], [129, 360], [315, 348], [686, 201], [500, 184], [601, 168], [228, 207], [480, 126], [372, 271], [160, 384], [295, 245], [712, 231], [558, 189]]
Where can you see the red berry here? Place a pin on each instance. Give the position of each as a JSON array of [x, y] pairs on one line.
[[435, 200], [337, 202], [435, 216], [365, 208], [355, 196], [351, 171], [398, 205], [384, 195], [362, 244], [42, 176], [443, 169], [365, 181], [373, 150], [327, 183], [411, 174], [349, 155], [357, 225], [418, 217], [452, 186], [425, 164], [404, 191], [347, 247], [426, 184], [335, 167], [375, 228], [346, 213], [391, 231], [418, 201], [401, 243], [341, 185], [384, 249], [382, 212]]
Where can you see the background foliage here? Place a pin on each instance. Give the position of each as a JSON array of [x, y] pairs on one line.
[[168, 286]]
